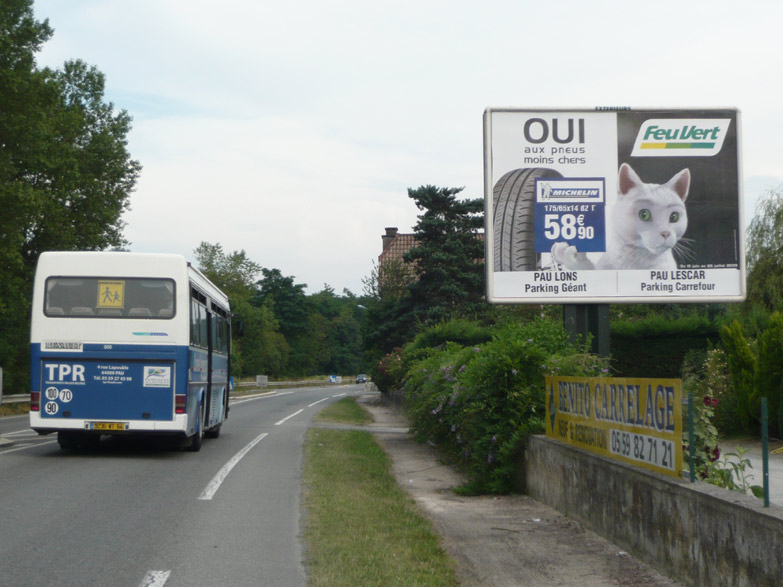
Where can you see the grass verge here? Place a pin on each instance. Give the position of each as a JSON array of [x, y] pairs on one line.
[[14, 409], [361, 528], [345, 411]]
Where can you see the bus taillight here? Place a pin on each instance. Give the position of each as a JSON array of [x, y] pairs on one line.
[[179, 404], [35, 401]]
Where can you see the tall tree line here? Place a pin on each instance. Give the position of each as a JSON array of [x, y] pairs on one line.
[[280, 330], [65, 171]]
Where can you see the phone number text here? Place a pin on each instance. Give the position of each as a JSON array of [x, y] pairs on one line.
[[642, 448]]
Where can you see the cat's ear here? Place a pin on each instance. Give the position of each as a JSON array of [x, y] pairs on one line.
[[627, 179], [681, 183]]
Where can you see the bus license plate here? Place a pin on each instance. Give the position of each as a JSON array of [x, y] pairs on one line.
[[109, 426]]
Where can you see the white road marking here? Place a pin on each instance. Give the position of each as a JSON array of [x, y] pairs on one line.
[[25, 447], [339, 395], [289, 417], [217, 480], [155, 579], [22, 433], [318, 402], [242, 400]]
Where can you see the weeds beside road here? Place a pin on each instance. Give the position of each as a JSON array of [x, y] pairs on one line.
[[360, 527]]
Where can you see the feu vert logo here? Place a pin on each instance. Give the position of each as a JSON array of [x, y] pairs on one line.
[[681, 137], [552, 406]]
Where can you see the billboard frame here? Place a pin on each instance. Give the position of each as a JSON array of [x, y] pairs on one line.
[[514, 286]]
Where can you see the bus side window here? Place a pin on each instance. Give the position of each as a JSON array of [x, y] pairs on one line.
[[195, 333], [221, 342]]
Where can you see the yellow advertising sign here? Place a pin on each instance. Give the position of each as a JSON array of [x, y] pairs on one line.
[[635, 420], [111, 294]]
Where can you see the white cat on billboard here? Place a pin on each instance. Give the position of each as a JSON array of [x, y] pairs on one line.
[[648, 224]]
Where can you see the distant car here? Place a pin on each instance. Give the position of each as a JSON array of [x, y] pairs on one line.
[[361, 378]]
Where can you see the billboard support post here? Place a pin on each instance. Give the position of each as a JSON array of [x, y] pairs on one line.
[[588, 322]]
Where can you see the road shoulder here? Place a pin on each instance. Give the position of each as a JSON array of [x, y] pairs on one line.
[[501, 540]]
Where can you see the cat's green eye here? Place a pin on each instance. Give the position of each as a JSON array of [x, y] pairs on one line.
[[675, 216], [645, 214]]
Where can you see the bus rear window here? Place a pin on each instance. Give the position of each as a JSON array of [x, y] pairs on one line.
[[109, 297]]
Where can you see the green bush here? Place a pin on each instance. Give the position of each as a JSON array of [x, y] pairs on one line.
[[656, 345], [388, 372], [769, 383], [459, 330], [741, 360], [480, 402], [705, 435], [755, 369]]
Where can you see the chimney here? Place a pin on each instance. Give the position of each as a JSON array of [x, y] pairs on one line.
[[387, 238]]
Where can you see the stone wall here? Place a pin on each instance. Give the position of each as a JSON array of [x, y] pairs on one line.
[[696, 533]]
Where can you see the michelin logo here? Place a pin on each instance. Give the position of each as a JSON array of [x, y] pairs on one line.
[[552, 190], [681, 137]]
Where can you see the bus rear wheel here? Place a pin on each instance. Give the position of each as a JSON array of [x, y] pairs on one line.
[[68, 440], [214, 432], [198, 437]]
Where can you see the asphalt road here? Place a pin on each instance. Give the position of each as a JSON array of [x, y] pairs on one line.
[[133, 513]]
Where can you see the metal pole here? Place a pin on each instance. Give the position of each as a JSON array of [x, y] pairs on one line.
[[765, 450], [691, 448], [582, 321]]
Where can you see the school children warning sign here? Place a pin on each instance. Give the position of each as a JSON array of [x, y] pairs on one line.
[[613, 205]]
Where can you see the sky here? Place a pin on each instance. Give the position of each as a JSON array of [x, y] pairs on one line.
[[293, 131]]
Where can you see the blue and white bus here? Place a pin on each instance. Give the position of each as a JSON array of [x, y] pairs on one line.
[[127, 343]]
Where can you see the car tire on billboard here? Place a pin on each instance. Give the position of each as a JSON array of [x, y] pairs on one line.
[[513, 203]]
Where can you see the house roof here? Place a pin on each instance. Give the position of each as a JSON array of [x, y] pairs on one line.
[[395, 245]]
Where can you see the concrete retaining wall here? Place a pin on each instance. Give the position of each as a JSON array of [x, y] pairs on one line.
[[696, 533]]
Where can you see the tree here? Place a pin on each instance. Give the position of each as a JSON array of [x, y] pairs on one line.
[[261, 350], [292, 313], [290, 300], [389, 321], [765, 252], [234, 273], [65, 172], [342, 333], [447, 255]]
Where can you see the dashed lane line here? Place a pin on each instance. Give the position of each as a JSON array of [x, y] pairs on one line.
[[155, 579], [26, 446], [289, 417], [211, 489]]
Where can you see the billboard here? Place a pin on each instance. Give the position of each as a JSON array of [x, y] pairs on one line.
[[608, 206], [634, 420]]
